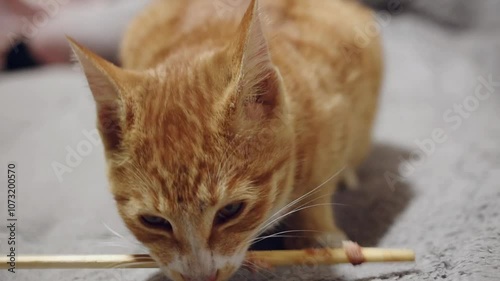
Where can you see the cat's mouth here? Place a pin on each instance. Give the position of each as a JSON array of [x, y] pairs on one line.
[[211, 277], [193, 273]]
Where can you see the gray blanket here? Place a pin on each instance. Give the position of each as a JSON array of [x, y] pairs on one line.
[[431, 184]]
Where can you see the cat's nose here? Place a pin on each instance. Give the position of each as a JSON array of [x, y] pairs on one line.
[[212, 277]]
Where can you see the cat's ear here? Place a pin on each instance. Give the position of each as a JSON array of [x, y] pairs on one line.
[[259, 82], [108, 83]]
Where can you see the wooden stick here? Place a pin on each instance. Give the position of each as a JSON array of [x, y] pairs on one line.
[[271, 258]]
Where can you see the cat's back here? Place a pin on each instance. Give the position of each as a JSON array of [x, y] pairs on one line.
[[167, 25], [330, 57], [333, 44]]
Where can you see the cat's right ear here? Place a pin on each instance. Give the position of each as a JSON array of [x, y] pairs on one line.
[[259, 85], [109, 85]]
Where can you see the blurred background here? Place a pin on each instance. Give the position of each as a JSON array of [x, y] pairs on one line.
[[432, 182]]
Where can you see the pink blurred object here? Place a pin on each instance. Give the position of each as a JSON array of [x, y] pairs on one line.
[[98, 24]]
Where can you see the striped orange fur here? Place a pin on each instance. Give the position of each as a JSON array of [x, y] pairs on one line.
[[222, 102]]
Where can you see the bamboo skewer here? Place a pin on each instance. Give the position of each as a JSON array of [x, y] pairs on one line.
[[271, 258]]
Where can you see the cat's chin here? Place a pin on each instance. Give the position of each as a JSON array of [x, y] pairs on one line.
[[226, 267], [220, 275], [167, 276]]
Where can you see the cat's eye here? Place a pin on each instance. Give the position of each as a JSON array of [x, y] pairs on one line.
[[156, 222], [229, 212]]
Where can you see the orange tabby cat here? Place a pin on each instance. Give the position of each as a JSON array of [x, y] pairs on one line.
[[220, 125]]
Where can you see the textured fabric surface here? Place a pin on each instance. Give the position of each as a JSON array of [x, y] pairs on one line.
[[440, 197], [454, 13]]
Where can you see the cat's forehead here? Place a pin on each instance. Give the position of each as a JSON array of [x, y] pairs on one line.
[[194, 75], [181, 144], [181, 107], [185, 175], [180, 131]]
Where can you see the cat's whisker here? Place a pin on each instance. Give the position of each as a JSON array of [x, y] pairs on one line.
[[313, 190], [274, 234], [265, 270], [280, 236], [303, 197], [239, 275], [302, 208], [113, 244], [133, 244], [310, 201], [128, 264], [118, 244], [257, 268], [112, 230], [279, 233], [319, 197]]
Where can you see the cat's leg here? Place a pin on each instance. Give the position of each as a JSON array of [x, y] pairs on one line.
[[350, 179], [313, 224]]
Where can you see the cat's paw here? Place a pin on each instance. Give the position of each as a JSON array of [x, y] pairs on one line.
[[316, 240], [350, 179]]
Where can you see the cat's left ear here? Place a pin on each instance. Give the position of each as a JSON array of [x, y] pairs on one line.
[[259, 82], [111, 87]]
